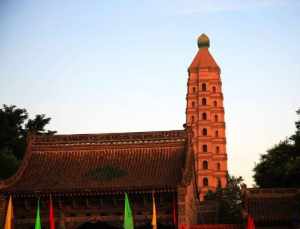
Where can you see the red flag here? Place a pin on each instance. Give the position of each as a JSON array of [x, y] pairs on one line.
[[182, 226], [51, 215], [250, 223]]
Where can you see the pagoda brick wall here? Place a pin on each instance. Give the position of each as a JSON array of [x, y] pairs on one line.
[[187, 205], [205, 115]]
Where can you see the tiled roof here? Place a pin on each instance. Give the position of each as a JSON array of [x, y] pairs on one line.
[[101, 162], [271, 209], [272, 205], [203, 60]]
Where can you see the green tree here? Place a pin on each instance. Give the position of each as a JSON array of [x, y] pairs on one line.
[[14, 128], [37, 125], [8, 164], [229, 200], [280, 166]]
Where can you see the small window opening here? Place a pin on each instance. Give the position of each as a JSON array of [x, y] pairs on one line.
[[205, 181], [216, 118], [205, 165], [219, 183], [216, 133]]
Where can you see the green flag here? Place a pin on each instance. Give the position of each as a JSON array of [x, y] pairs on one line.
[[128, 218], [38, 217]]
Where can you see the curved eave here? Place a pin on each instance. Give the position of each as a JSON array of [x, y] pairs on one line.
[[4, 184], [189, 168]]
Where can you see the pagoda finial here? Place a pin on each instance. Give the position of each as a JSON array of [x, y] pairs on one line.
[[203, 41]]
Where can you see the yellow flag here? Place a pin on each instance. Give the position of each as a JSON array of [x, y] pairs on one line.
[[154, 218], [9, 215]]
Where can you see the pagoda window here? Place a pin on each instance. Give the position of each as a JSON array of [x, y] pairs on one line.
[[215, 104], [194, 89], [218, 166], [217, 149], [205, 165], [192, 118], [205, 181], [204, 102], [203, 87], [204, 148], [216, 133], [204, 132], [214, 89], [216, 118], [193, 104], [219, 183], [204, 116]]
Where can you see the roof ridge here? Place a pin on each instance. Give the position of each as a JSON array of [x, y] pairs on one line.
[[109, 139], [114, 133]]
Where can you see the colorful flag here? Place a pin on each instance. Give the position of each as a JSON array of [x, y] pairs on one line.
[[51, 215], [154, 217], [38, 217], [9, 215], [250, 223], [128, 218]]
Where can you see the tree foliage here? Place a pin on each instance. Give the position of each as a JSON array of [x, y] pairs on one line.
[[229, 200], [15, 125], [280, 166]]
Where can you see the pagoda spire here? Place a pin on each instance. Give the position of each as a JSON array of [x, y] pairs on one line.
[[203, 41], [203, 58]]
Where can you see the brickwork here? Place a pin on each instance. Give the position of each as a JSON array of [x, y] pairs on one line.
[[187, 205]]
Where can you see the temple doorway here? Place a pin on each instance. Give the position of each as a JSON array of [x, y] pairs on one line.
[[103, 225], [159, 226], [96, 225]]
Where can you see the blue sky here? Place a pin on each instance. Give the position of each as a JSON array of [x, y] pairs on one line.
[[115, 66]]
